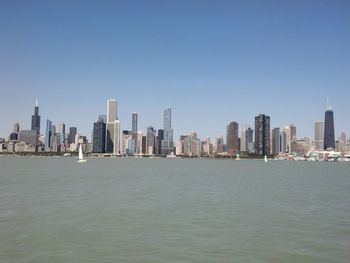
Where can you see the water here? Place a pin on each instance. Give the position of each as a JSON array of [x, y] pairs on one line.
[[158, 210]]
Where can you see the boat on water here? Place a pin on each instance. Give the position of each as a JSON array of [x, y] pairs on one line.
[[238, 157], [265, 159], [81, 157]]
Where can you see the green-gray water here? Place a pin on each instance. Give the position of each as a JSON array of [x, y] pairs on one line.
[[159, 210]]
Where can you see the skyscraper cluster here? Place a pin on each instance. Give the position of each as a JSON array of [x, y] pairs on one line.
[[108, 138]]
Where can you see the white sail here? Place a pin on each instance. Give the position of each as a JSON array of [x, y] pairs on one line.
[[265, 159], [80, 153], [81, 157]]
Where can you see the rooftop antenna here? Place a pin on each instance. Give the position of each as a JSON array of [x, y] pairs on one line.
[[36, 102], [329, 107]]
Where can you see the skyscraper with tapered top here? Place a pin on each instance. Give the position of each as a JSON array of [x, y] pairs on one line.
[[36, 123], [328, 138]]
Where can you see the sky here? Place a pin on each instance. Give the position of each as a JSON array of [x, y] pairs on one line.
[[213, 62]]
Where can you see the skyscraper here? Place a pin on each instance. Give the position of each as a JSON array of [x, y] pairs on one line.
[[328, 138], [99, 135], [283, 141], [36, 124], [262, 134], [113, 137], [133, 141], [112, 109], [112, 128], [275, 141], [48, 135], [232, 140], [150, 140], [72, 134], [319, 133], [62, 134], [16, 128], [36, 119], [167, 144]]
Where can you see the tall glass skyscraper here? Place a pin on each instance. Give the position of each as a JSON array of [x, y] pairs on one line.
[[262, 134], [36, 124], [167, 144], [48, 135], [36, 119], [328, 138], [99, 135], [133, 142]]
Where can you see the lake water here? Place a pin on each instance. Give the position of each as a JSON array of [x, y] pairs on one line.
[[159, 210]]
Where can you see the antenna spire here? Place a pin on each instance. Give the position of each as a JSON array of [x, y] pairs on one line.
[[36, 103], [329, 107]]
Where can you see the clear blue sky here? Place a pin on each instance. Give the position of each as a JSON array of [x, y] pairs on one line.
[[212, 61]]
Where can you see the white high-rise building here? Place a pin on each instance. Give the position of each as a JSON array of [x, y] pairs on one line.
[[319, 135], [112, 128], [112, 110]]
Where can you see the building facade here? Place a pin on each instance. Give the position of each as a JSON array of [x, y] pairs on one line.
[[262, 135], [318, 135], [232, 139], [167, 144], [328, 137], [99, 136], [275, 141]]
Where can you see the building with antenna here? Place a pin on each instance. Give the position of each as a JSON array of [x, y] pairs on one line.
[[328, 138]]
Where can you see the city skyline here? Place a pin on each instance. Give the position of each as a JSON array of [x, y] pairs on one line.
[[113, 103], [212, 62]]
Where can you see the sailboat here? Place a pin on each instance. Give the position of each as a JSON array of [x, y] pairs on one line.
[[265, 159], [81, 157]]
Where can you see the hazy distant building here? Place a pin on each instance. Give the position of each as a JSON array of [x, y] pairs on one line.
[[159, 138], [133, 141], [48, 135], [28, 136], [113, 137], [13, 136], [275, 141], [150, 140], [247, 140], [318, 136], [262, 134], [99, 135], [283, 141], [167, 144], [342, 142], [232, 142], [219, 146], [328, 137], [61, 136], [72, 133], [16, 128]]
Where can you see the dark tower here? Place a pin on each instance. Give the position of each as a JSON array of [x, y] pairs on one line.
[[99, 135], [36, 119], [36, 123], [328, 139], [232, 141], [262, 135]]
